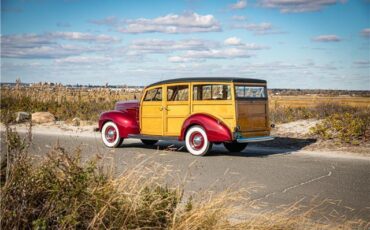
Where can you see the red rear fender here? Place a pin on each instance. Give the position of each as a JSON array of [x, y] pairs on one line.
[[126, 123], [216, 130]]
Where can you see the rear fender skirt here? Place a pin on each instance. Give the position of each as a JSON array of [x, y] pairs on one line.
[[216, 130], [126, 124]]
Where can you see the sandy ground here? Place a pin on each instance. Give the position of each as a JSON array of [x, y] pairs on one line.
[[300, 128], [57, 128]]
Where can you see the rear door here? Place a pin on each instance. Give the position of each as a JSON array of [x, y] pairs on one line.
[[151, 112], [251, 108]]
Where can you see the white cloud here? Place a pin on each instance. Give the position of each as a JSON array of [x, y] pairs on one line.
[[239, 18], [327, 38], [240, 4], [83, 60], [145, 46], [178, 59], [258, 27], [78, 36], [46, 45], [298, 6], [232, 41], [366, 32], [263, 28], [108, 21], [193, 49], [222, 53], [362, 63], [172, 23]]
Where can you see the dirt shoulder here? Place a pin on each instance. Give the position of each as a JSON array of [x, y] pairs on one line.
[[57, 128]]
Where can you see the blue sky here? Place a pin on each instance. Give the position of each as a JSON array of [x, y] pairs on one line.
[[292, 44]]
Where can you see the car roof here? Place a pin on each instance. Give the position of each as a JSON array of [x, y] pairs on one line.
[[208, 79]]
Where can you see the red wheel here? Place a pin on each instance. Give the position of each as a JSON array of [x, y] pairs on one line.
[[196, 141], [110, 135]]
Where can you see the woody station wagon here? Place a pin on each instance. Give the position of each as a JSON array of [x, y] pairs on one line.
[[199, 111]]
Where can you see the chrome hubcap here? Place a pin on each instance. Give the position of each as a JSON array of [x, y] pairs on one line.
[[197, 140], [110, 134]]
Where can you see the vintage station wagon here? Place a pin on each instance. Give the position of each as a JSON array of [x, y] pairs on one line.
[[199, 111]]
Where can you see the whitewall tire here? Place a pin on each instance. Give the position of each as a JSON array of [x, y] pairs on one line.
[[110, 135], [197, 142]]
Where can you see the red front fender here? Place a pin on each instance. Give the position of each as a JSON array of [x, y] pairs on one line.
[[216, 130], [126, 123]]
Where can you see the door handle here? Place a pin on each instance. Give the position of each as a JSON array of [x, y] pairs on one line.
[[163, 108]]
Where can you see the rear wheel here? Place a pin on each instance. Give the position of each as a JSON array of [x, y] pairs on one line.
[[110, 135], [235, 146], [149, 142], [197, 142]]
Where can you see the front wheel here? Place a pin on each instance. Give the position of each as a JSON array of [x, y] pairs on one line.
[[235, 146], [197, 142], [110, 135]]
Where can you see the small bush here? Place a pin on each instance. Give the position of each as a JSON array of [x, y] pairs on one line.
[[61, 192], [352, 128]]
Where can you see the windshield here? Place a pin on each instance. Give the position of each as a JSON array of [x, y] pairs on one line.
[[248, 92]]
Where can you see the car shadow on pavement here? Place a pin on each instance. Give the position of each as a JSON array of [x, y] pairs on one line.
[[280, 145]]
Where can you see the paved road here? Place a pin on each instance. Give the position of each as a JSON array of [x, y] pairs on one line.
[[286, 176]]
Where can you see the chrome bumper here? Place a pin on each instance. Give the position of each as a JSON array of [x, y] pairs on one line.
[[254, 139]]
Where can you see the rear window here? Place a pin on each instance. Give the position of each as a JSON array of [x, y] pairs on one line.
[[212, 92], [243, 92]]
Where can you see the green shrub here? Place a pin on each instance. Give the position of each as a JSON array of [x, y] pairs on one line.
[[352, 128]]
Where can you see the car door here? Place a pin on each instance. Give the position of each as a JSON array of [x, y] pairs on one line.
[[177, 108], [151, 112]]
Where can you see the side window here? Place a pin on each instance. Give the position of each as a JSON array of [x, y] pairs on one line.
[[153, 95], [212, 92], [177, 93]]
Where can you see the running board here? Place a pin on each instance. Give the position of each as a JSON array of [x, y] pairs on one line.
[[153, 137], [254, 139]]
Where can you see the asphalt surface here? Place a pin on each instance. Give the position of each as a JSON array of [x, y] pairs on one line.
[[279, 176]]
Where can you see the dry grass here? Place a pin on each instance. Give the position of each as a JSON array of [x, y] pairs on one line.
[[309, 101], [61, 192], [64, 103]]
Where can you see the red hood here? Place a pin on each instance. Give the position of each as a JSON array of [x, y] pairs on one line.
[[124, 106]]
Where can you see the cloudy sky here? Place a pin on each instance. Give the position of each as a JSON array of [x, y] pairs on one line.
[[290, 43]]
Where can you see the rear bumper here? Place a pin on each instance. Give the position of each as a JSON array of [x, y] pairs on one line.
[[254, 139]]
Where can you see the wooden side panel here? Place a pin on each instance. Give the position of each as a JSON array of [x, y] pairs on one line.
[[252, 116], [221, 109]]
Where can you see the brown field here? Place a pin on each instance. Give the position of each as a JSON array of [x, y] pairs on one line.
[[314, 100]]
